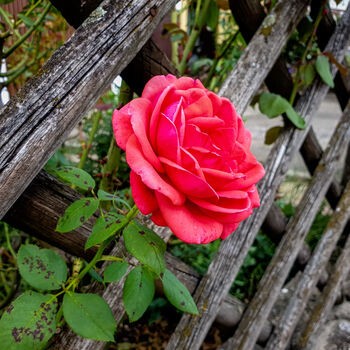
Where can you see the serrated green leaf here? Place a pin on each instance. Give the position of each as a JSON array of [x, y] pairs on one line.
[[77, 214], [324, 70], [89, 316], [105, 228], [272, 105], [145, 246], [177, 294], [28, 323], [115, 271], [272, 135], [41, 268], [138, 292], [77, 177]]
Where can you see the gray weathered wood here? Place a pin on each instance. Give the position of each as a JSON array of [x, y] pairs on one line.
[[41, 115], [329, 295], [225, 266], [297, 229], [283, 330]]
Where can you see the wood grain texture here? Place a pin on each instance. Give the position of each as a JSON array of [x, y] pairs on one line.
[[225, 266], [283, 330], [41, 115], [329, 294], [298, 227]]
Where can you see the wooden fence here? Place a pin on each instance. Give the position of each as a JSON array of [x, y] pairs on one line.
[[40, 117]]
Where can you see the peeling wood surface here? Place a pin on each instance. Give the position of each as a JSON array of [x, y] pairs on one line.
[[308, 280], [225, 266], [48, 107], [298, 227]]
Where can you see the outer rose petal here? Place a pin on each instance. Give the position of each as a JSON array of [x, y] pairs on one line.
[[228, 229], [122, 126], [144, 198], [156, 85], [188, 223], [149, 176], [158, 219], [140, 110]]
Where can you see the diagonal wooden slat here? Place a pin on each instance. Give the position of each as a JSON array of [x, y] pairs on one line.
[[40, 116], [223, 269], [283, 330], [323, 307], [297, 229]]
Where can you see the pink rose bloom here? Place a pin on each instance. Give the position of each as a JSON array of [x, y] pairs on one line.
[[189, 156]]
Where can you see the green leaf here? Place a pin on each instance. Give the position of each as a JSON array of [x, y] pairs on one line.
[[324, 70], [28, 323], [138, 292], [115, 271], [308, 74], [26, 20], [272, 135], [145, 246], [105, 228], [89, 316], [177, 294], [77, 177], [272, 105], [198, 64], [77, 214], [41, 268], [295, 118]]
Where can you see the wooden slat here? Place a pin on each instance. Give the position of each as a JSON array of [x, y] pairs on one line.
[[225, 266], [323, 307], [283, 330], [298, 227], [42, 114]]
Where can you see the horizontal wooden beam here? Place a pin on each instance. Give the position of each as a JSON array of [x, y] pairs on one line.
[[36, 121]]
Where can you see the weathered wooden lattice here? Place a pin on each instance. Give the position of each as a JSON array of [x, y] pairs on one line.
[[40, 117]]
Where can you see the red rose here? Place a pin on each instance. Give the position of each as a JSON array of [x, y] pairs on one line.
[[189, 155]]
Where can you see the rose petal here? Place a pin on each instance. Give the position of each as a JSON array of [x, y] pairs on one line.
[[188, 182], [188, 223], [149, 176], [252, 176], [144, 197], [216, 103], [153, 126], [206, 123], [194, 137], [201, 107], [254, 197], [228, 218], [156, 86], [224, 138], [190, 163], [168, 140], [228, 229], [228, 114], [140, 110], [224, 205], [234, 194], [122, 126], [158, 219]]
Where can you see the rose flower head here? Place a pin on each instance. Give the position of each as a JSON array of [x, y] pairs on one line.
[[188, 150]]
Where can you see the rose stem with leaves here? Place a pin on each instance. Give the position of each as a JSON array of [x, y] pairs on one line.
[[303, 58], [200, 18], [111, 167]]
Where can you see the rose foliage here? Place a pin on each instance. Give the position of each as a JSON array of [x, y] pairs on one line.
[[189, 156]]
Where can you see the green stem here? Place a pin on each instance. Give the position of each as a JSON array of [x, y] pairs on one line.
[[28, 33], [96, 120], [303, 57], [8, 241], [33, 7], [174, 44], [198, 24], [129, 216], [3, 14]]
